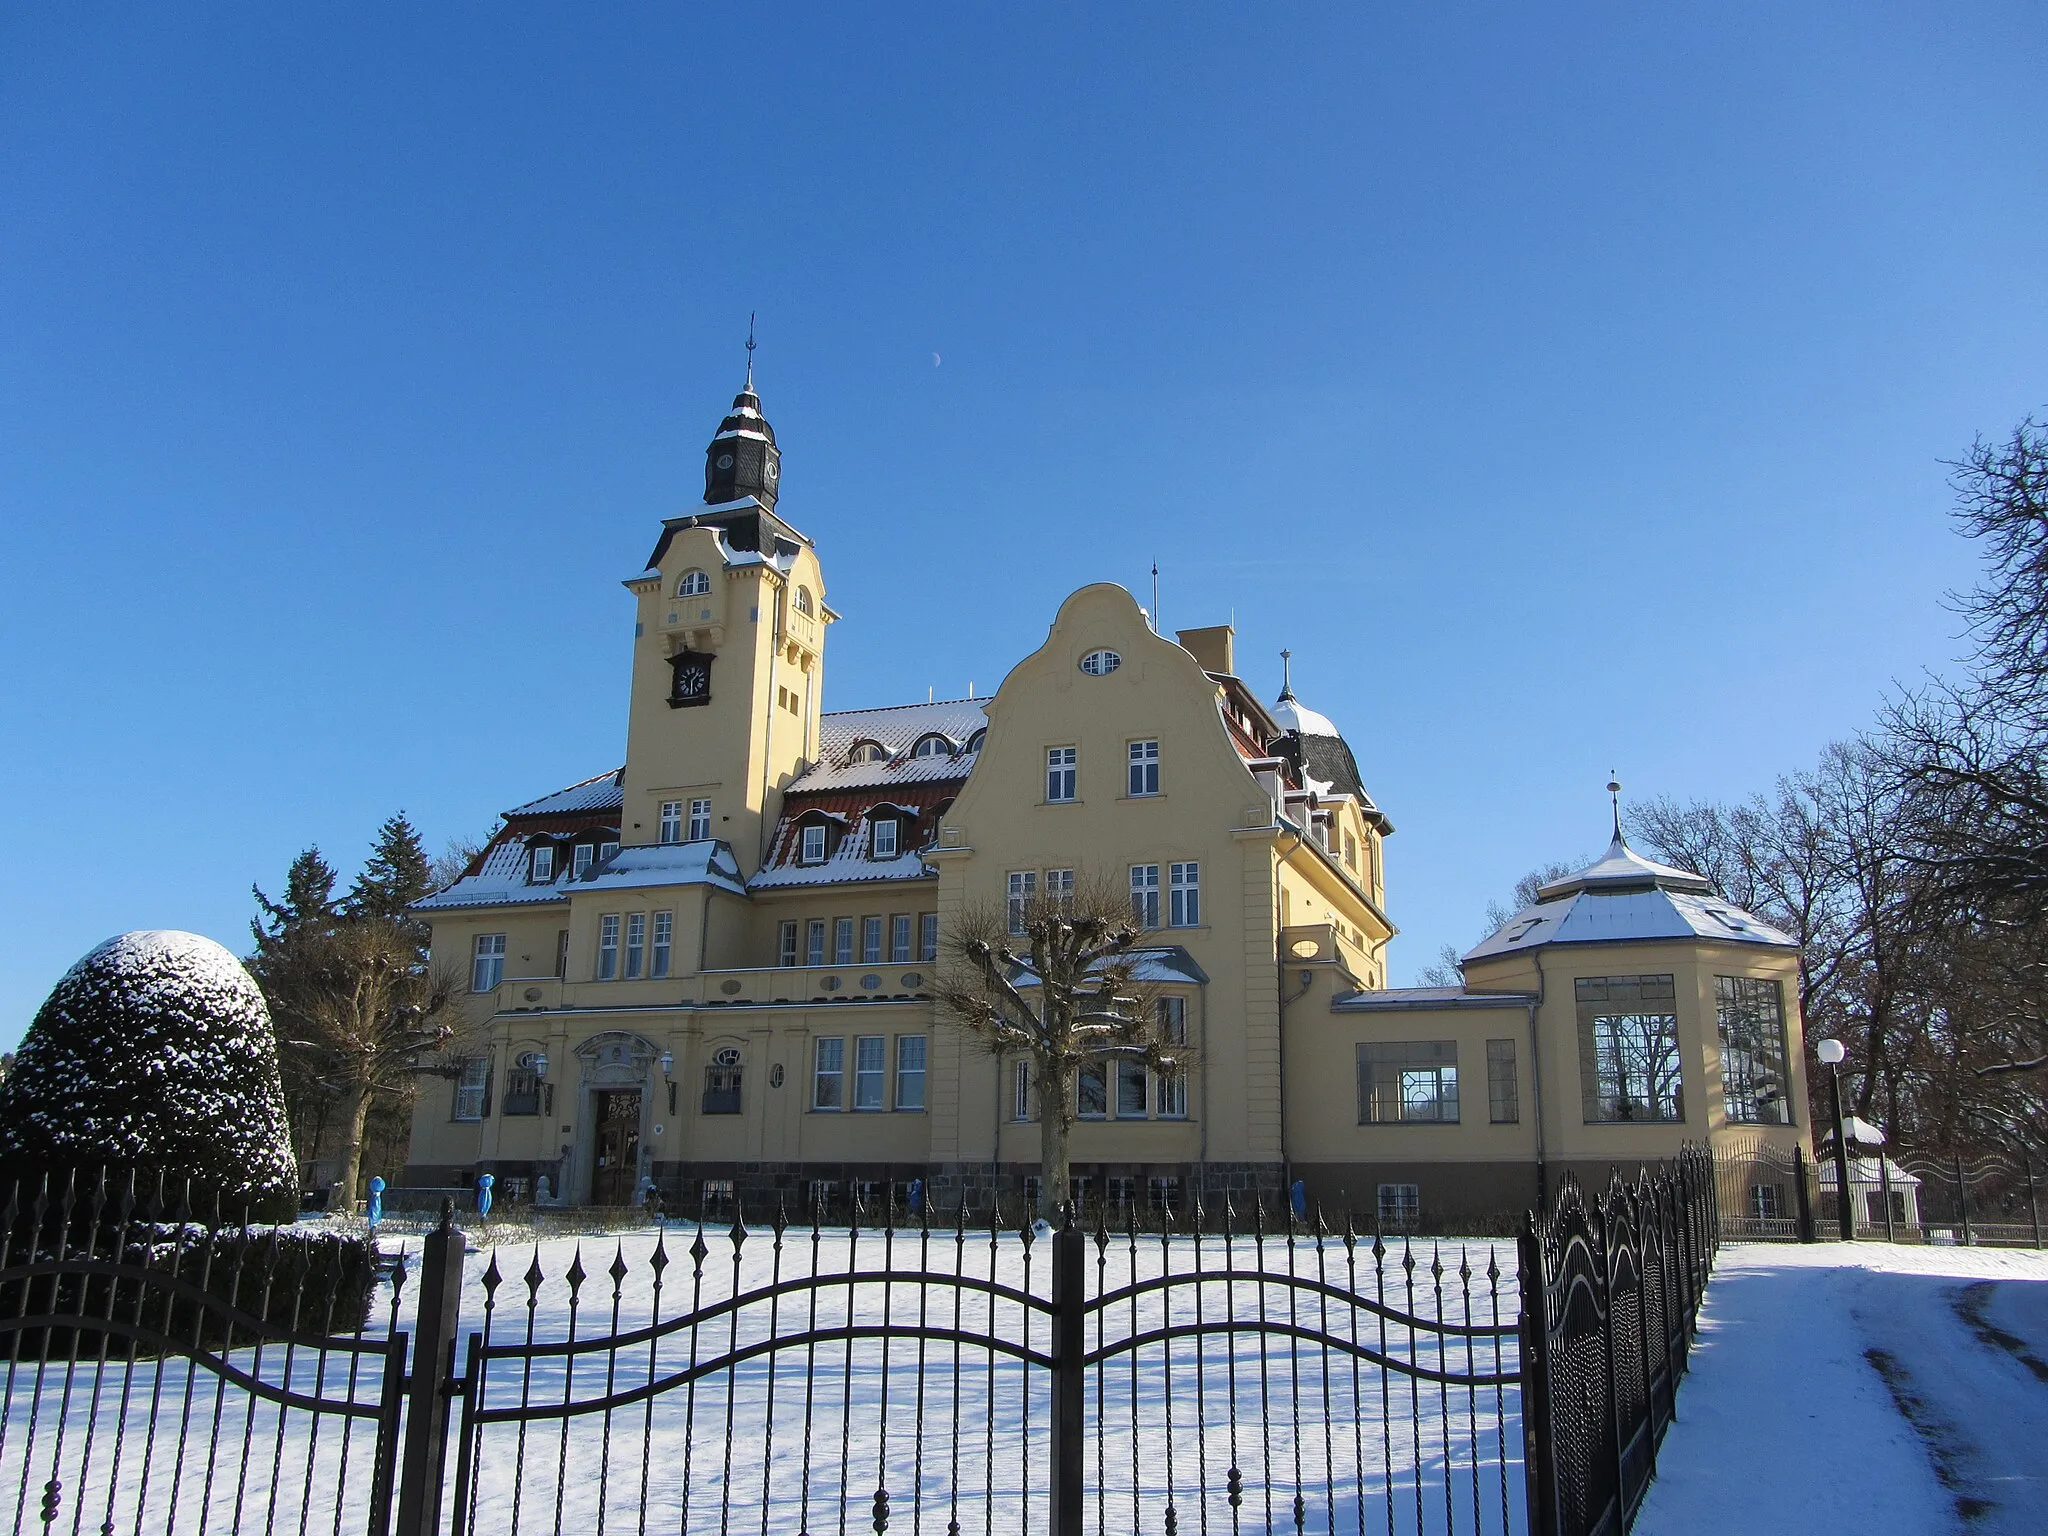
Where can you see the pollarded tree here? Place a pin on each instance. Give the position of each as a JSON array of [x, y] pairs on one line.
[[1056, 980], [155, 1053]]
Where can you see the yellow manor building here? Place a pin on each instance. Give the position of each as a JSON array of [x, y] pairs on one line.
[[711, 971]]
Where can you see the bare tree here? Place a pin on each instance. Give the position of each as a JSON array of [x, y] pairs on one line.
[[1056, 980], [1448, 970]]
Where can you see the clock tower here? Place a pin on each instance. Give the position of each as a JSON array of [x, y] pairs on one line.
[[742, 459]]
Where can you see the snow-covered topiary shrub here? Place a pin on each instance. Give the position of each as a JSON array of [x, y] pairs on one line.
[[155, 1053]]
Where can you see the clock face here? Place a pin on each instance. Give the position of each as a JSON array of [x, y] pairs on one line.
[[725, 461], [691, 683]]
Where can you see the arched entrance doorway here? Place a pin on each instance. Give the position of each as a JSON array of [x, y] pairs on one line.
[[612, 1155]]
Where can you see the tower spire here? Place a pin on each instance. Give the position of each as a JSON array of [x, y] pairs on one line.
[[1614, 793], [1286, 674], [750, 352]]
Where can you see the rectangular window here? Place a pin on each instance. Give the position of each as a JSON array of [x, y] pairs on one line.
[[1130, 1090], [1023, 887], [1059, 885], [1145, 895], [636, 944], [1173, 1086], [1628, 1049], [1400, 1207], [1162, 1193], [1144, 768], [608, 947], [1408, 1081], [1020, 1090], [664, 942], [824, 1194], [522, 1091], [868, 1064], [842, 941], [671, 821], [899, 938], [885, 836], [472, 1087], [1061, 772], [871, 941], [815, 942], [489, 966], [542, 870], [1186, 884], [717, 1197], [813, 851], [700, 820], [785, 947], [581, 860], [606, 850], [562, 952], [1091, 1092], [910, 1071], [1351, 851], [928, 936], [1123, 1189], [1503, 1093], [828, 1082], [1752, 1019]]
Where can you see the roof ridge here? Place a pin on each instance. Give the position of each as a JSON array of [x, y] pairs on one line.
[[876, 709]]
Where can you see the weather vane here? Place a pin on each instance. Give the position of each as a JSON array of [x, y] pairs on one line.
[[750, 349]]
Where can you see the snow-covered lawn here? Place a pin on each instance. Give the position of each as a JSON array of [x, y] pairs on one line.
[[1890, 1390], [802, 1439]]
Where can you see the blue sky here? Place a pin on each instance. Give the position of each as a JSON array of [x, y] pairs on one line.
[[1566, 386]]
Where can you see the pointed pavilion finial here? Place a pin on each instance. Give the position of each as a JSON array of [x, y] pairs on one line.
[[750, 352], [1614, 792], [1286, 674]]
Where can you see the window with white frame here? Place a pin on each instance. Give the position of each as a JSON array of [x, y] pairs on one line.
[[932, 746], [786, 941], [671, 821], [803, 599], [1350, 850], [814, 942], [636, 944], [1408, 1082], [1144, 768], [1020, 1090], [1172, 1092], [541, 864], [581, 860], [693, 584], [842, 941], [1061, 772], [1091, 1092], [1023, 887], [608, 947], [885, 836], [867, 752], [928, 936], [664, 943], [828, 1079], [472, 1088], [1400, 1207], [869, 1068], [607, 849], [899, 938], [700, 820], [1145, 895], [910, 1071], [1162, 1193], [1185, 881], [813, 847], [488, 967], [1059, 886], [871, 941]]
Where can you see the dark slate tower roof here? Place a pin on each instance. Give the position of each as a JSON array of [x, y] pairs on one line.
[[742, 460]]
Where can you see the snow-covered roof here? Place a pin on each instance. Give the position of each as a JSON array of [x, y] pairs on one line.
[[1293, 715], [896, 729], [502, 880], [1622, 897], [1408, 999], [1169, 963], [602, 792], [1863, 1170], [852, 860]]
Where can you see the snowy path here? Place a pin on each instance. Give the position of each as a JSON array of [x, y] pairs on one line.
[[1904, 1389]]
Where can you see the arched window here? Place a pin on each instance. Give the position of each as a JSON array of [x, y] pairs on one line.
[[803, 599], [974, 742], [867, 752], [693, 584], [722, 1082], [932, 746]]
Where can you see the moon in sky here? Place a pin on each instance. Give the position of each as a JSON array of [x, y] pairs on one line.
[[935, 359]]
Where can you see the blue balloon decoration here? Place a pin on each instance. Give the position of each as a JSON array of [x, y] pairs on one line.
[[376, 1212], [483, 1193]]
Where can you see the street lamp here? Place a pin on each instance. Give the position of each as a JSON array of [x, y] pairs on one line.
[[1831, 1053]]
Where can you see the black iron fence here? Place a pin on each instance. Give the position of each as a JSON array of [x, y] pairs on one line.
[[170, 1371]]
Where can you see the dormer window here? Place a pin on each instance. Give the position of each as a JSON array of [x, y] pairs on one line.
[[812, 850], [867, 752], [932, 746], [606, 849], [693, 584], [581, 861], [974, 742], [887, 829], [541, 864]]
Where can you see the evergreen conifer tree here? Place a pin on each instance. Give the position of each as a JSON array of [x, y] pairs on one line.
[[155, 1053]]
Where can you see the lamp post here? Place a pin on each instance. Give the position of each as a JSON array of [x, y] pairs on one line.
[[1831, 1053]]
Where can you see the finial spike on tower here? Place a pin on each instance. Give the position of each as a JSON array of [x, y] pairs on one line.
[[1614, 792], [1286, 674], [750, 352]]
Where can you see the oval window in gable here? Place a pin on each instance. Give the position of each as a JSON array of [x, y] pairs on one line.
[[1101, 663]]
